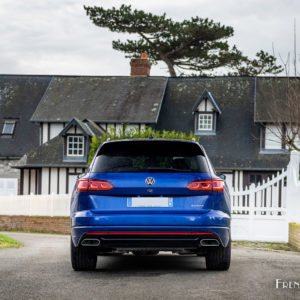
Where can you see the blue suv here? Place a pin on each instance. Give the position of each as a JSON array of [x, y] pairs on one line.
[[149, 195]]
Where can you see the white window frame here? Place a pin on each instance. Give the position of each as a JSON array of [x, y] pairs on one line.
[[201, 117], [10, 122], [273, 140], [71, 142]]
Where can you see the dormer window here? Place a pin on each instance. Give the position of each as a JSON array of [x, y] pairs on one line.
[[8, 127], [205, 113], [75, 145], [205, 122], [77, 136]]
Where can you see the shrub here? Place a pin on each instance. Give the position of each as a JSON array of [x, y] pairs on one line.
[[135, 133]]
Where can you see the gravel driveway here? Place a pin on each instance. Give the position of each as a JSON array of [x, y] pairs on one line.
[[41, 270]]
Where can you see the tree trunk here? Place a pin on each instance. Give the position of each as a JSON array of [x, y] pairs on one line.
[[169, 64], [171, 69]]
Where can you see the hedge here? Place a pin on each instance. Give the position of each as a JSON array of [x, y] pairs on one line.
[[135, 133]]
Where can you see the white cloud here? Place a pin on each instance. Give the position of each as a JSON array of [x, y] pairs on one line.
[[56, 37]]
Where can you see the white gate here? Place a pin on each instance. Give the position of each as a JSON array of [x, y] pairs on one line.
[[262, 212]]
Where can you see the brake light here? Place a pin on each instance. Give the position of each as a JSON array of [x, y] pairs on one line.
[[218, 185], [214, 185], [84, 185]]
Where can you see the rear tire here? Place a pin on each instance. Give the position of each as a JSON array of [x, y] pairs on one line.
[[82, 259], [219, 258]]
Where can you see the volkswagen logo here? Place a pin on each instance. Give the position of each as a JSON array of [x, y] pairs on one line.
[[150, 180]]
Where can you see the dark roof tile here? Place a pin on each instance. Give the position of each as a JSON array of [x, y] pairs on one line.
[[19, 96], [102, 99], [49, 154], [272, 94], [236, 144]]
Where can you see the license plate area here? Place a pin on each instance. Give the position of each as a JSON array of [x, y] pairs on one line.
[[149, 202]]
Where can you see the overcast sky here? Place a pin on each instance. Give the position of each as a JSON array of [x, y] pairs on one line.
[[56, 37]]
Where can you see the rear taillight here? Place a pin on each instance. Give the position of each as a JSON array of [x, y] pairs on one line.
[[211, 185], [84, 185]]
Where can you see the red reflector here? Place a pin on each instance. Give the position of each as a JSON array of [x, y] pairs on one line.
[[146, 232], [93, 185], [211, 185]]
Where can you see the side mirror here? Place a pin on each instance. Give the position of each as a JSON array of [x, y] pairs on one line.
[[222, 176]]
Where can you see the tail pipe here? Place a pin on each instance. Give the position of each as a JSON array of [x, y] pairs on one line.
[[90, 242], [209, 243]]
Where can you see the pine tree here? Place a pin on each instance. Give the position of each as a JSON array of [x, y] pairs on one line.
[[197, 45]]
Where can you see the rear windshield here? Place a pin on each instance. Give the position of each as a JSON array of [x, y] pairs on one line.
[[121, 157]]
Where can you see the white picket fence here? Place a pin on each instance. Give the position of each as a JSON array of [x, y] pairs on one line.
[[259, 213], [267, 198], [262, 212]]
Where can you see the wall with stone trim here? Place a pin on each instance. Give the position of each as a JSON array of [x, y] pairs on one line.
[[35, 223]]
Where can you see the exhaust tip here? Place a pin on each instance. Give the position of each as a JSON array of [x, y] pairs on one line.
[[209, 243], [90, 242]]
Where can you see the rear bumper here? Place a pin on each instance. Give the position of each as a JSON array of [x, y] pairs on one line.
[[143, 237], [115, 219], [160, 230]]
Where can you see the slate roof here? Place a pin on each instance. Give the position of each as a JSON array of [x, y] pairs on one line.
[[96, 129], [236, 144], [167, 101], [271, 98], [49, 154], [105, 99], [19, 96]]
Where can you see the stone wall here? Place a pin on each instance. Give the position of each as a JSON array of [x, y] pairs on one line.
[[6, 171], [35, 224], [294, 235]]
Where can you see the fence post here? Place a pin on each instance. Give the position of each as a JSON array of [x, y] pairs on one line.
[[293, 188], [251, 210]]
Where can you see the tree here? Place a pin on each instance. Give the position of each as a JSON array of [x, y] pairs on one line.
[[262, 64], [284, 114], [198, 45]]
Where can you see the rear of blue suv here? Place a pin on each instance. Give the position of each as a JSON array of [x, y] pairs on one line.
[[149, 195]]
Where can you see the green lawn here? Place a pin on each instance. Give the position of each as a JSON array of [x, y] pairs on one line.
[[6, 242]]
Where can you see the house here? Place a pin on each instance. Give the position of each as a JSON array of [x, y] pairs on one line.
[[19, 96], [70, 112], [60, 114]]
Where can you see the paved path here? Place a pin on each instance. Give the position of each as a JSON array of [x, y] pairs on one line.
[[41, 270]]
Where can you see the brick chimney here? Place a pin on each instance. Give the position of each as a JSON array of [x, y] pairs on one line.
[[140, 67]]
